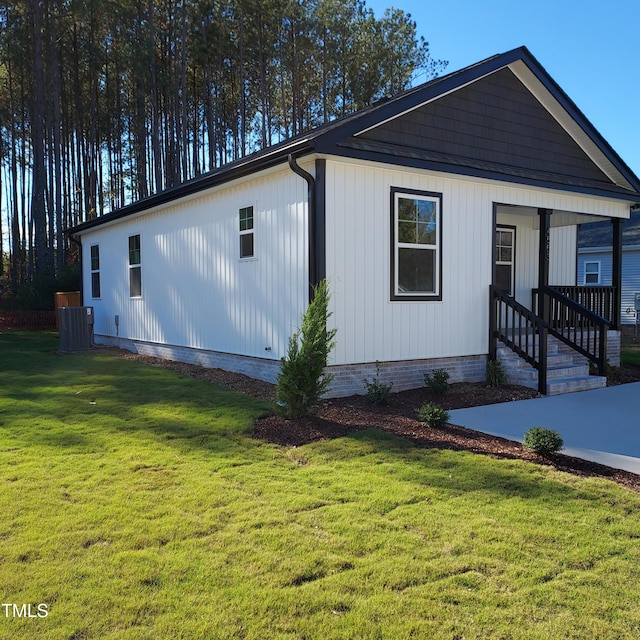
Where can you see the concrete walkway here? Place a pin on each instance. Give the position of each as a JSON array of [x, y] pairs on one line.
[[602, 425]]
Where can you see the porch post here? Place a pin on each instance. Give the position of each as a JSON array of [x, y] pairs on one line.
[[616, 272], [543, 249], [543, 281]]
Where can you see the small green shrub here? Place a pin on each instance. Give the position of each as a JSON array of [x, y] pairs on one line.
[[437, 381], [496, 375], [433, 414], [377, 392], [542, 441]]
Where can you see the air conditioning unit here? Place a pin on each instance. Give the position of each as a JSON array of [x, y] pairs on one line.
[[76, 328]]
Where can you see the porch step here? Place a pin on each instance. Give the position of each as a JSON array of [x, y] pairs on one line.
[[567, 371]]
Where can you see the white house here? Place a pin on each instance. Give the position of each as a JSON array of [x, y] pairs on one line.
[[434, 215]]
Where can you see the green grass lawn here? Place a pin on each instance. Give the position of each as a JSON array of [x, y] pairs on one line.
[[135, 505], [630, 350]]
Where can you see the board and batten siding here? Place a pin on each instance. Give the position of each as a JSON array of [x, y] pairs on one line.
[[630, 275], [370, 326], [196, 291]]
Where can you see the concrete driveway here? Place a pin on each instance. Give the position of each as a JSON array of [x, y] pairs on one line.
[[602, 425]]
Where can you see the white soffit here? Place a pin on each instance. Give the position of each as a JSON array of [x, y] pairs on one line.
[[528, 78]]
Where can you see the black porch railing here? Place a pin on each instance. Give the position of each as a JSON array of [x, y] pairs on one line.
[[597, 298], [574, 324], [525, 332], [521, 330]]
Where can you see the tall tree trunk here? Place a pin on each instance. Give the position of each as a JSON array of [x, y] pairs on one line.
[[37, 143]]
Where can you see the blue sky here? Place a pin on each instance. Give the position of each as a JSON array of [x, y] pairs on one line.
[[591, 49]]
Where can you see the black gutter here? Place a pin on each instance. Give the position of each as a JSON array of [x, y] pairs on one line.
[[311, 222]]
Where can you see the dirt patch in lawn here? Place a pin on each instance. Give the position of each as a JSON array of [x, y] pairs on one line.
[[338, 417]]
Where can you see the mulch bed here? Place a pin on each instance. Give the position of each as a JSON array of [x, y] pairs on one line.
[[338, 417]]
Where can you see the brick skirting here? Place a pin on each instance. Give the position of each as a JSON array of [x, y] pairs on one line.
[[349, 379]]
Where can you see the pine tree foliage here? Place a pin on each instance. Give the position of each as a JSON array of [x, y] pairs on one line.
[[302, 379], [104, 103]]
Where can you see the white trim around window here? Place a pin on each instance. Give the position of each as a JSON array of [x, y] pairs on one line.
[[592, 271]]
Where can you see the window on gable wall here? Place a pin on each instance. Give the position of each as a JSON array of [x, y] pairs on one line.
[[246, 232], [416, 238], [592, 272], [95, 271], [135, 269]]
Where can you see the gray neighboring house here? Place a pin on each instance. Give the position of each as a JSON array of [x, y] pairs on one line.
[[595, 260]]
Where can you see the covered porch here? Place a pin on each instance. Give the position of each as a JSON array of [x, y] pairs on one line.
[[536, 300]]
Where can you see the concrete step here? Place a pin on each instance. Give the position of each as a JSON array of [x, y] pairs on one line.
[[513, 361], [571, 385], [567, 371]]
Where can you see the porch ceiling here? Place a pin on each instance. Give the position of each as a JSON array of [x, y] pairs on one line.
[[558, 219]]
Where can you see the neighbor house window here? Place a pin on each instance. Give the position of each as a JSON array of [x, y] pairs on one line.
[[135, 270], [416, 238], [95, 271], [592, 273], [246, 232]]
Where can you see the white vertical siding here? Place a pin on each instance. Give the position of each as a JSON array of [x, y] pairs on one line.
[[562, 263], [370, 326], [196, 292]]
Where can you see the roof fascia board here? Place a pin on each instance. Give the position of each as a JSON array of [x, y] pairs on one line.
[[574, 122], [224, 175], [429, 165]]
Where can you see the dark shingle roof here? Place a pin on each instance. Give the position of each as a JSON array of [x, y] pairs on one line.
[[598, 234]]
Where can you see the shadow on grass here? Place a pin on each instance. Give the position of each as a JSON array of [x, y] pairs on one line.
[[76, 400]]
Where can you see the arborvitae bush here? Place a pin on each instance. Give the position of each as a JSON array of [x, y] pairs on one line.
[[437, 381], [542, 441], [302, 381]]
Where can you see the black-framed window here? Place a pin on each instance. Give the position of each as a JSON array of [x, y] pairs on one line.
[[95, 271], [135, 268], [246, 232], [416, 245], [505, 259]]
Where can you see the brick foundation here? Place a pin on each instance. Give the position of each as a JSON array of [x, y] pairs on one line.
[[349, 378], [258, 368], [405, 374]]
